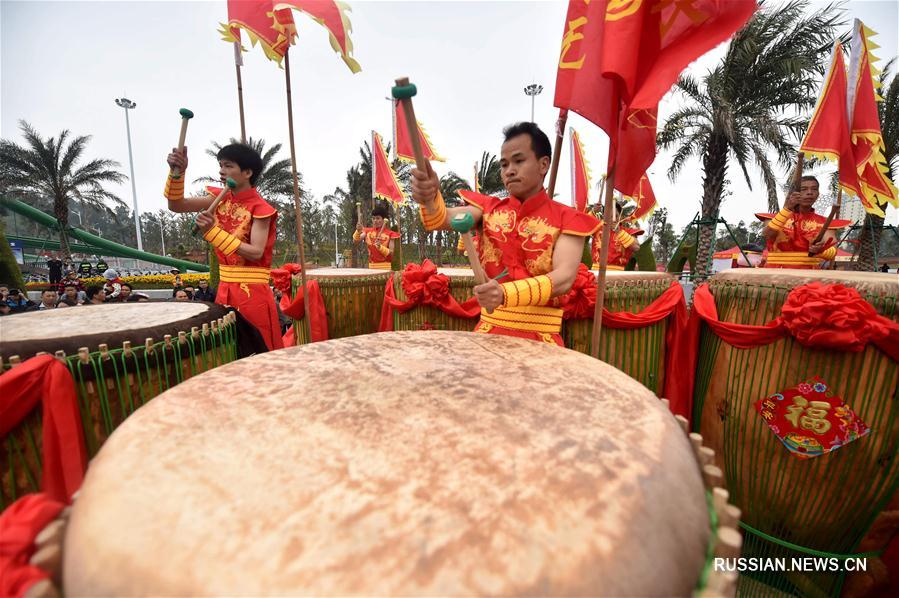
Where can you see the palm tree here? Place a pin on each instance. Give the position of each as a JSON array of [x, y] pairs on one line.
[[888, 111], [52, 167], [490, 181], [747, 105]]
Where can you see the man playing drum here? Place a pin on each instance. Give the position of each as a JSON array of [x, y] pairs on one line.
[[790, 233], [379, 239], [242, 231], [538, 241]]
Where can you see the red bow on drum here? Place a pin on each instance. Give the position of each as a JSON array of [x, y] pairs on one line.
[[423, 284], [831, 316]]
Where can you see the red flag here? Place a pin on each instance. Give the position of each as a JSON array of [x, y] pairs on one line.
[[828, 132], [333, 16], [619, 57], [273, 30], [384, 182], [580, 174], [404, 140], [645, 199], [867, 139], [270, 23]]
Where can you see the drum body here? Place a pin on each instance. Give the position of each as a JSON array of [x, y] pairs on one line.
[[639, 353], [427, 317], [353, 298], [826, 503], [372, 465], [115, 369]]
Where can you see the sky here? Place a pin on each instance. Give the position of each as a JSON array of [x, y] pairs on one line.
[[62, 64]]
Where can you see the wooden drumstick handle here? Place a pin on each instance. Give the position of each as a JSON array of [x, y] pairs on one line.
[[404, 91], [797, 174], [462, 223], [230, 184], [186, 115], [358, 213]]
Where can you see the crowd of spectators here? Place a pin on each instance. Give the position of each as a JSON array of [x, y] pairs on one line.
[[70, 291]]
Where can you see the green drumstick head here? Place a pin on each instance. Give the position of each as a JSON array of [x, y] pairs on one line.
[[185, 113], [404, 92], [462, 223], [231, 183]]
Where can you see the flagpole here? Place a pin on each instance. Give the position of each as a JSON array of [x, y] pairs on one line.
[[238, 62], [603, 262], [571, 167], [296, 197], [557, 151]]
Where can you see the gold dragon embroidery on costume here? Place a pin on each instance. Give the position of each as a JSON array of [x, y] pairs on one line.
[[535, 232]]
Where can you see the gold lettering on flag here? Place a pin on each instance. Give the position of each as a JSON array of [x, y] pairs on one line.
[[678, 8], [572, 35], [619, 9]]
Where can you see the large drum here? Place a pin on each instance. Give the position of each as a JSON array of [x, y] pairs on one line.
[[404, 463], [795, 507], [640, 353], [352, 297], [120, 356], [426, 317]]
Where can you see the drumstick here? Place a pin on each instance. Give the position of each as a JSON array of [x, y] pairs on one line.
[[186, 115], [230, 184], [797, 174], [463, 223], [404, 92], [833, 212]]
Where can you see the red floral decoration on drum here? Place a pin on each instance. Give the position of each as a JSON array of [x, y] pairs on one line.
[[579, 302], [293, 268], [281, 279], [831, 316], [423, 284]]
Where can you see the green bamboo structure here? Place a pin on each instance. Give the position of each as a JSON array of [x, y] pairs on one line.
[[352, 297], [639, 353], [426, 317], [826, 506], [111, 384]]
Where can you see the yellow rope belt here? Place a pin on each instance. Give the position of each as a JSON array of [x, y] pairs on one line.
[[799, 258], [530, 318], [379, 265], [243, 274]]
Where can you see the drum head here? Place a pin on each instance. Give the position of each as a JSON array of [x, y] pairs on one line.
[[427, 463], [90, 325]]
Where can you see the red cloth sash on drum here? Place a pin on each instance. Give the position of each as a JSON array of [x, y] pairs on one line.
[[20, 524], [44, 378], [424, 285], [580, 303], [295, 307], [817, 315]]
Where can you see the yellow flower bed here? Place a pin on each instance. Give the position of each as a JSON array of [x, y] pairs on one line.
[[153, 281]]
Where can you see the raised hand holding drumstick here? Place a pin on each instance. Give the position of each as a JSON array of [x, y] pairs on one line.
[[206, 218], [186, 115]]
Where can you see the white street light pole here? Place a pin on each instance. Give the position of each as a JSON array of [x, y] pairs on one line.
[[129, 105], [336, 255], [533, 90]]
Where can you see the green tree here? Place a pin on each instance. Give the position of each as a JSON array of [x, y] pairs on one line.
[[490, 180], [10, 273], [450, 185], [53, 167], [661, 235], [888, 111], [751, 104]]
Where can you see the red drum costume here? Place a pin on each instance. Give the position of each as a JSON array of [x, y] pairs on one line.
[[379, 258], [795, 233], [623, 246], [243, 283], [519, 236]]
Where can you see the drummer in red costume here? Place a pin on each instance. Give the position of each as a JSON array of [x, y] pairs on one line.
[[537, 240], [624, 244], [790, 233], [379, 239], [242, 233]]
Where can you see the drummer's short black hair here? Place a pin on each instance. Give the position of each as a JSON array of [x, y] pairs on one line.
[[539, 141], [380, 210], [244, 156]]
